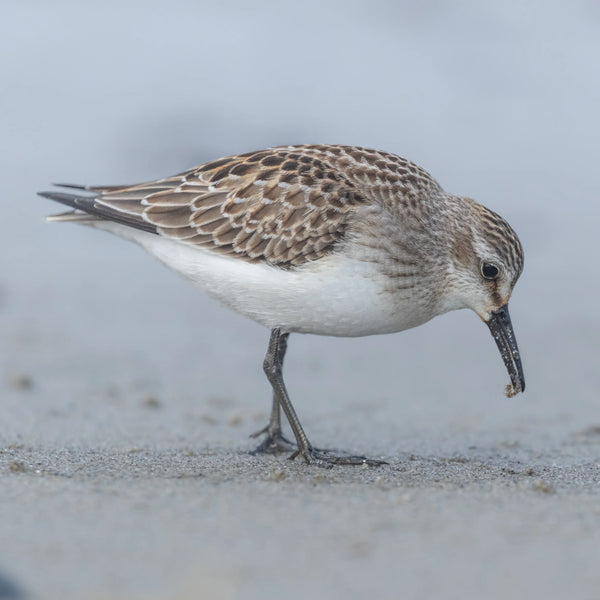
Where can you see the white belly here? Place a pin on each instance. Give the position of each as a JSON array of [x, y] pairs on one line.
[[336, 295]]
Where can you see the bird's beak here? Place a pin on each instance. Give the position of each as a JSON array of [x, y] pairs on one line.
[[502, 330]]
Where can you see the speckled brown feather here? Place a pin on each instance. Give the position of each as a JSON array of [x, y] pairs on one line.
[[286, 206]]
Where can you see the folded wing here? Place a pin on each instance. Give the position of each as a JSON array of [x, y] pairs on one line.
[[282, 206]]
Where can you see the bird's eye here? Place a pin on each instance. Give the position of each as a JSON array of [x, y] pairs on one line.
[[489, 271]]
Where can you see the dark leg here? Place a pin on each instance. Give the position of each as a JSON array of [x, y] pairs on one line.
[[274, 441], [273, 369]]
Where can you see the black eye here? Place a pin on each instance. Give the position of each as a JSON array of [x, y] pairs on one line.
[[489, 271]]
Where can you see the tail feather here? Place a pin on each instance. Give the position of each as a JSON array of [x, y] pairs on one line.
[[92, 188], [73, 186], [87, 209], [72, 216]]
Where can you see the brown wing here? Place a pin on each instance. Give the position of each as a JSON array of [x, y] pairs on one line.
[[283, 206]]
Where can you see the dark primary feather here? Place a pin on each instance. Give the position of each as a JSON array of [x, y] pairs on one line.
[[88, 205]]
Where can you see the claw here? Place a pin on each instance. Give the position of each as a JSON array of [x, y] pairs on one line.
[[273, 444], [324, 458]]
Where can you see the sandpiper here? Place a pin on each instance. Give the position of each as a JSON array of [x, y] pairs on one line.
[[321, 239]]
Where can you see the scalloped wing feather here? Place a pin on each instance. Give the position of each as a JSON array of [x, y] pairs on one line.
[[280, 206], [285, 206]]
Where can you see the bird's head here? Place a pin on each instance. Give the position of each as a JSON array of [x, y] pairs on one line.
[[486, 260]]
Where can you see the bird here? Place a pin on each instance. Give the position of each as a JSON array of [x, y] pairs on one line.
[[319, 239]]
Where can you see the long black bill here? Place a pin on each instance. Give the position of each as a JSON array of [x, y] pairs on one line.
[[501, 327]]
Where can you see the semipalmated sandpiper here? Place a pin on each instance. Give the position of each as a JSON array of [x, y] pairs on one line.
[[322, 239]]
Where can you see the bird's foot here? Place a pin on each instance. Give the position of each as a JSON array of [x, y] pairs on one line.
[[325, 458], [273, 443]]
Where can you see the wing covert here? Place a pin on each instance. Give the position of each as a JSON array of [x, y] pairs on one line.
[[281, 206]]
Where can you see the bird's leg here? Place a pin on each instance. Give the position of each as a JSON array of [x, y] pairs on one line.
[[272, 365], [274, 441]]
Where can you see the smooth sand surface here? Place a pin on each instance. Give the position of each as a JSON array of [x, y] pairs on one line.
[[195, 524], [120, 484]]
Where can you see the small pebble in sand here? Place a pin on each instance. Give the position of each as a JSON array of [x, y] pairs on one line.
[[17, 467], [277, 475], [592, 430], [543, 487], [151, 402], [20, 381], [234, 421]]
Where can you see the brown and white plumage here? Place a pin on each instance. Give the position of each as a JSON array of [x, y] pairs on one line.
[[284, 206], [325, 239]]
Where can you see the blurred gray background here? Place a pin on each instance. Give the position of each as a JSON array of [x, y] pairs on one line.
[[128, 397]]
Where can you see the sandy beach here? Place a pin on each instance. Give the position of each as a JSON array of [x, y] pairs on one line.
[[128, 397]]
